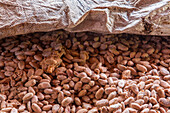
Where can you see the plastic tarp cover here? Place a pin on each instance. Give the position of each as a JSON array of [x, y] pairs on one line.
[[145, 17]]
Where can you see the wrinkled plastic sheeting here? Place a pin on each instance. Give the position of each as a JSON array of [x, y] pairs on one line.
[[146, 17]]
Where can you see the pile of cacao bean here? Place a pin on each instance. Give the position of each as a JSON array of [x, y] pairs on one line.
[[62, 72]]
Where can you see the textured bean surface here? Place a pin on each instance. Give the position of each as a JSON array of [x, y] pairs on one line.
[[61, 72]]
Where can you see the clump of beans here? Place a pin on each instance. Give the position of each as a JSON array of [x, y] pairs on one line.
[[61, 72]]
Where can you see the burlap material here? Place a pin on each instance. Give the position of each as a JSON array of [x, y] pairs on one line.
[[146, 17]]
